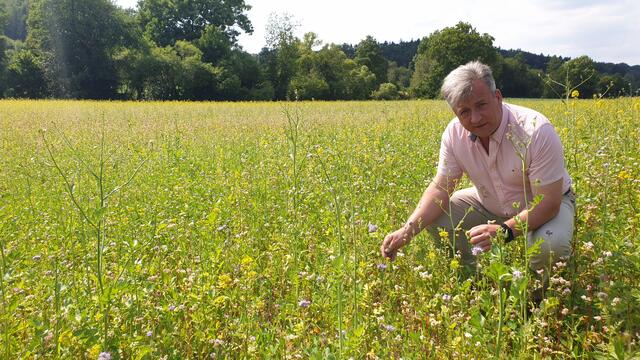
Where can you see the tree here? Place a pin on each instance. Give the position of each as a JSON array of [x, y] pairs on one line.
[[386, 91], [518, 80], [280, 56], [399, 75], [446, 49], [16, 22], [214, 44], [76, 41], [25, 76], [166, 22], [369, 54], [359, 82], [576, 74], [611, 85]]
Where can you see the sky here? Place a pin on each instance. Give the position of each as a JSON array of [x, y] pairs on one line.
[[605, 30]]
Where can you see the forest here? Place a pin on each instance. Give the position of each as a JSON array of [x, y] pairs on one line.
[[188, 50]]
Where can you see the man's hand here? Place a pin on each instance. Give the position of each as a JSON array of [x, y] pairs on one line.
[[481, 235], [393, 242]]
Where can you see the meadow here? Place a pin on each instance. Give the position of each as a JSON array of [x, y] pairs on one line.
[[252, 230]]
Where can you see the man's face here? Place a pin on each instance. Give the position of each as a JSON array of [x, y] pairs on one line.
[[481, 112]]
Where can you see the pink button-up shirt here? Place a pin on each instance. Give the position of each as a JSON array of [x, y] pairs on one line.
[[523, 134]]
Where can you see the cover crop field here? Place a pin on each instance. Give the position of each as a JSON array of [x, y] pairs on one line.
[[252, 230]]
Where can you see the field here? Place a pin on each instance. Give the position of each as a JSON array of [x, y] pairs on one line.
[[252, 230]]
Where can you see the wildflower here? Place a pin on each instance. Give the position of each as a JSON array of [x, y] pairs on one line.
[[607, 254], [565, 311], [443, 234], [172, 307], [575, 94], [467, 335], [373, 228], [588, 245], [597, 318], [454, 264], [517, 274], [36, 257], [104, 356], [149, 333], [615, 301], [304, 303], [382, 266], [446, 297], [477, 250], [389, 328]]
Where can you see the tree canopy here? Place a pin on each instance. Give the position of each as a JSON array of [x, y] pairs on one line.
[[188, 50]]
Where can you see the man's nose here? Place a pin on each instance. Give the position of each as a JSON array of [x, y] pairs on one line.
[[475, 117]]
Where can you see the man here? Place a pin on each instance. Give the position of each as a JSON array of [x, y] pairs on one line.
[[489, 140]]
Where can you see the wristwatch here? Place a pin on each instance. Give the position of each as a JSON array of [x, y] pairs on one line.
[[508, 231]]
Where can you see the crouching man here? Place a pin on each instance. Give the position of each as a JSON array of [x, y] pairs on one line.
[[489, 140]]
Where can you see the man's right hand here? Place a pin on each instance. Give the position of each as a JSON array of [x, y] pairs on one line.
[[393, 242]]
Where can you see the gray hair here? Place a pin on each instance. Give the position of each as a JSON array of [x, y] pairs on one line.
[[457, 86]]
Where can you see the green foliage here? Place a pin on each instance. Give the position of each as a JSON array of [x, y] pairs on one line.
[[16, 19], [446, 49], [166, 22], [386, 91], [576, 74], [308, 87], [612, 86], [76, 40], [369, 54], [359, 82], [517, 79], [399, 75], [25, 76], [214, 44]]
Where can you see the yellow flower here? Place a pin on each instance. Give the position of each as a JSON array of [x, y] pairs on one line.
[[224, 281], [432, 255], [246, 262], [454, 264], [443, 234], [575, 94], [623, 175]]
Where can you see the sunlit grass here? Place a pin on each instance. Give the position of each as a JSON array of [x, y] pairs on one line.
[[218, 243]]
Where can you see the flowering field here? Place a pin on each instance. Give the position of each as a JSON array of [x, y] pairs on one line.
[[252, 230]]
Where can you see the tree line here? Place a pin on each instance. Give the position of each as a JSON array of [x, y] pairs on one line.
[[188, 50]]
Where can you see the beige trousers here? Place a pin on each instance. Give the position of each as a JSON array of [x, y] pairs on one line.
[[556, 233]]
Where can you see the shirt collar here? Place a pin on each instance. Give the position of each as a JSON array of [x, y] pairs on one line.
[[498, 135]]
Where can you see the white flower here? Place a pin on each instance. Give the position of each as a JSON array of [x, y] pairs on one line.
[[517, 274]]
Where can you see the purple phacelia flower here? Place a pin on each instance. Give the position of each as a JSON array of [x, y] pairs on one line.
[[382, 266], [304, 303], [477, 250], [373, 228]]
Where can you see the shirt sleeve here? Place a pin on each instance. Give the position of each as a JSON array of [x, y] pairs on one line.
[[547, 157], [447, 163]]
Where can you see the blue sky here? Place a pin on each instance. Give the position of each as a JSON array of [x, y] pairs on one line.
[[604, 30]]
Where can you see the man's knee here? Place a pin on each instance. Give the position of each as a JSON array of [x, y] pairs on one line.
[[551, 248]]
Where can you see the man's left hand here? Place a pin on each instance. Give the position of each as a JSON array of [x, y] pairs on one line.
[[481, 235]]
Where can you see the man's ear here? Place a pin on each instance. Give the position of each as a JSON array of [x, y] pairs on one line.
[[499, 95]]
